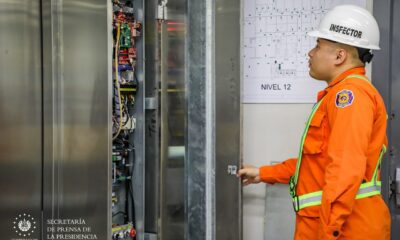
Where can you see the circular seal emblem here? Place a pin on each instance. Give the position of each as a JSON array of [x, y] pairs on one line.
[[24, 225], [344, 98]]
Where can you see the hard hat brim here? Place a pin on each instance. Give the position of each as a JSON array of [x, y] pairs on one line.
[[319, 34]]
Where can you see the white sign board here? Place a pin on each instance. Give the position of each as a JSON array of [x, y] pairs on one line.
[[276, 46]]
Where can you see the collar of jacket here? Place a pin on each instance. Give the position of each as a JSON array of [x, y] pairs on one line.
[[356, 70]]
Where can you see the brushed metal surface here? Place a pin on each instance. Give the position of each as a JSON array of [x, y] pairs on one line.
[[200, 164], [214, 120], [152, 123], [76, 55], [138, 140], [50, 166], [20, 115], [172, 102], [228, 204], [164, 231]]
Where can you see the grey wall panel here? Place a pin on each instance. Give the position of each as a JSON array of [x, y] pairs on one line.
[[77, 60], [385, 74], [20, 116], [395, 112], [381, 75]]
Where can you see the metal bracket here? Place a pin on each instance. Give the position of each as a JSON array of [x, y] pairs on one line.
[[162, 11], [150, 103], [232, 169], [397, 187]]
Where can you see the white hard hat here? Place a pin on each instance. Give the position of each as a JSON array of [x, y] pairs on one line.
[[351, 25]]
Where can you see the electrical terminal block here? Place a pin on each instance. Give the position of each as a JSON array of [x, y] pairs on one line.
[[123, 232], [116, 158], [124, 178], [130, 123], [114, 199], [128, 10], [127, 77]]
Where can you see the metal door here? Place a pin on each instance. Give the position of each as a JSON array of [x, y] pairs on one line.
[[20, 119], [55, 83], [77, 115], [192, 59], [386, 77]]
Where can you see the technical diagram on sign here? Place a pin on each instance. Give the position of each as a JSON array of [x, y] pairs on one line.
[[276, 46]]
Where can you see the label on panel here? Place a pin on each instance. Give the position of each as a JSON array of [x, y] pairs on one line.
[[276, 46]]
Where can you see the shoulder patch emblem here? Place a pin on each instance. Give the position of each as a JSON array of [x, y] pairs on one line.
[[344, 98]]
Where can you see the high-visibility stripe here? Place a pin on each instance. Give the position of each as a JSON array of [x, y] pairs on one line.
[[314, 198], [316, 106]]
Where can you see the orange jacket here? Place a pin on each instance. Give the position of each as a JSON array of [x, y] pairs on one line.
[[341, 151]]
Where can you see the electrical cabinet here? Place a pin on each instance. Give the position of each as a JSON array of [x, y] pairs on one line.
[[113, 123], [126, 29]]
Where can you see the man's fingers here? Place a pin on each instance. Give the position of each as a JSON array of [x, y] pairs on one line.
[[241, 172], [246, 170], [248, 181]]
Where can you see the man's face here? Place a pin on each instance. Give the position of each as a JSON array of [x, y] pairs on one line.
[[322, 60]]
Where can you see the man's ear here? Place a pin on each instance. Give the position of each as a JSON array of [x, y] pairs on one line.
[[341, 56]]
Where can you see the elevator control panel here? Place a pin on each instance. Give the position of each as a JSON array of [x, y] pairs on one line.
[[126, 32]]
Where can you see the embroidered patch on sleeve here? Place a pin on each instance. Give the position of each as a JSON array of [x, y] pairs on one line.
[[344, 98]]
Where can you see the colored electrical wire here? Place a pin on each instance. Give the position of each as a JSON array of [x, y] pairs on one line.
[[117, 81]]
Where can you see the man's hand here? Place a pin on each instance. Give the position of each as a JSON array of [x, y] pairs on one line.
[[249, 174]]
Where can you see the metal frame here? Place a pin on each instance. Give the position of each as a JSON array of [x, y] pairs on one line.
[[385, 75], [152, 123], [200, 193], [138, 178], [213, 197], [395, 112], [164, 131], [228, 111]]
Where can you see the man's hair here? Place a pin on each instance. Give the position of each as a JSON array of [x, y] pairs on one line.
[[365, 55]]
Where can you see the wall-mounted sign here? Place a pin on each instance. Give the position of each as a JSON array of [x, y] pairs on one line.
[[276, 46]]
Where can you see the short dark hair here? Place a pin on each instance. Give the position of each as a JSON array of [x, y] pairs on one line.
[[364, 54]]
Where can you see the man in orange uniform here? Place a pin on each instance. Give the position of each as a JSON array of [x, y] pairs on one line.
[[334, 183]]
